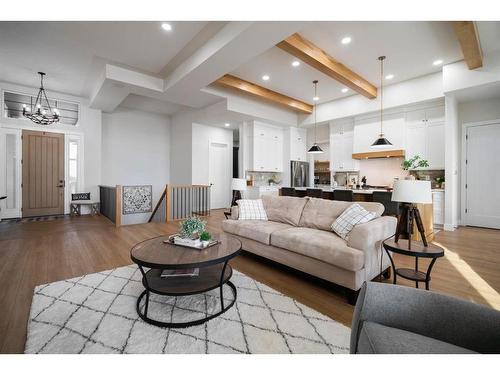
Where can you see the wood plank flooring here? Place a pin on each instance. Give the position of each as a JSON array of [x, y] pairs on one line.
[[40, 252]]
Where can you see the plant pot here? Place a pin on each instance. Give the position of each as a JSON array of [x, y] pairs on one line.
[[205, 243]]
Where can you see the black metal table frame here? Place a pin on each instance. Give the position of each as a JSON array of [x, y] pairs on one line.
[[416, 256], [148, 290]]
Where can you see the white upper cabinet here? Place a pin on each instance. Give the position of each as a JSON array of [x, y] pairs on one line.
[[266, 148], [341, 148], [366, 131], [298, 144], [425, 135]]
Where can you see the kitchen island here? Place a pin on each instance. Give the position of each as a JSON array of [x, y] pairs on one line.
[[359, 195]]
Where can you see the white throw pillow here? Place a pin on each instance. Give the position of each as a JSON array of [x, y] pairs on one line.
[[251, 209], [352, 216]]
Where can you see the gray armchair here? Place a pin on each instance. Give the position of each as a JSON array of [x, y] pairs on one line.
[[392, 319]]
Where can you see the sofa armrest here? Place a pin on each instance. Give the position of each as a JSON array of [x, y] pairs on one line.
[[366, 236], [235, 213], [458, 322]]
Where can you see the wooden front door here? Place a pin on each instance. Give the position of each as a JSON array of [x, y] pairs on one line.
[[43, 173]]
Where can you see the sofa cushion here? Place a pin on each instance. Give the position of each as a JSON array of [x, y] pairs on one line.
[[321, 213], [251, 209], [286, 210], [376, 338], [319, 244], [352, 216], [258, 230]]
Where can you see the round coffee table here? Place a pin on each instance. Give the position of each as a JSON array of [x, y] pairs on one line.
[[214, 272], [418, 250]]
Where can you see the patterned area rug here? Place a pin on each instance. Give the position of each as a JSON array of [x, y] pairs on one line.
[[96, 313]]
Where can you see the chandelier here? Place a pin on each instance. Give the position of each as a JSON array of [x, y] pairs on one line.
[[39, 112]]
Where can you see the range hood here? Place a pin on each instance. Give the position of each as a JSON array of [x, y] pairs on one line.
[[379, 154]]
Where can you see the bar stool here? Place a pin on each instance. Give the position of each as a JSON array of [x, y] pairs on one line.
[[342, 195], [314, 193], [385, 197], [288, 192]]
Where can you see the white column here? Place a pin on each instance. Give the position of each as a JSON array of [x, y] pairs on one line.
[[451, 163]]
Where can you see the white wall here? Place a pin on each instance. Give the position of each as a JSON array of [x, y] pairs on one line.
[[181, 150], [381, 172], [136, 151]]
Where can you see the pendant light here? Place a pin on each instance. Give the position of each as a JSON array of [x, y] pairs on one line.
[[315, 149], [381, 141], [40, 112]]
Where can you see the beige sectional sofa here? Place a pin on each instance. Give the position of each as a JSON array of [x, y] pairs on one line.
[[297, 234]]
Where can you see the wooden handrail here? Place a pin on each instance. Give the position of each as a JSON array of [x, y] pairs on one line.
[[158, 204]]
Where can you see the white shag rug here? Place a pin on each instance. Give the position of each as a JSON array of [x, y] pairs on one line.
[[96, 313]]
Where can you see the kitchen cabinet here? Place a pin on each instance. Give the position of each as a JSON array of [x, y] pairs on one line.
[[298, 144], [266, 148], [438, 206], [366, 131], [341, 147], [426, 140], [427, 115]]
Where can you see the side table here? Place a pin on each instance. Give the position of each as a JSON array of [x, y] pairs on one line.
[[418, 250]]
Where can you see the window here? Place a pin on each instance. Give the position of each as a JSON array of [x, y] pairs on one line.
[[73, 167], [13, 107]]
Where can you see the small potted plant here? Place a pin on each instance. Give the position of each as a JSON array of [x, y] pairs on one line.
[[439, 182], [414, 163], [192, 228], [205, 238]]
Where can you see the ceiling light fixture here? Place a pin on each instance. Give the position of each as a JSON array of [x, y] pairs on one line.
[[227, 124], [344, 90], [389, 76], [166, 26], [346, 40], [315, 149], [381, 141], [265, 77], [38, 112], [437, 62], [296, 63], [316, 98]]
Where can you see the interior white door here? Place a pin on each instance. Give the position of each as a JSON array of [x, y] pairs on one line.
[[219, 175], [482, 178]]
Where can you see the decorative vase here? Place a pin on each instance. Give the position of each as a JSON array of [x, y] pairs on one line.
[[205, 243]]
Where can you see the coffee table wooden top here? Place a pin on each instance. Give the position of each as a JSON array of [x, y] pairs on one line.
[[417, 248], [154, 253]]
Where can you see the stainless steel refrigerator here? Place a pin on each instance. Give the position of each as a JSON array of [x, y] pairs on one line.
[[299, 175]]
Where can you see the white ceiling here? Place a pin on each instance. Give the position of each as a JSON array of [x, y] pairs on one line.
[[69, 51], [489, 35], [410, 47]]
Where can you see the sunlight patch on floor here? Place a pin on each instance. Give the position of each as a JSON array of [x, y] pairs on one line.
[[490, 295]]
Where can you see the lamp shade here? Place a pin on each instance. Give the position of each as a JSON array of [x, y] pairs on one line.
[[412, 191], [238, 184]]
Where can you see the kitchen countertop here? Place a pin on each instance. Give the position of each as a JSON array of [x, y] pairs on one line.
[[355, 191]]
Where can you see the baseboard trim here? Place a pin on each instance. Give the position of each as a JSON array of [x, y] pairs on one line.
[[449, 227]]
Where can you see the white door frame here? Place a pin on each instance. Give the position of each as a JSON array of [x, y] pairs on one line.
[[16, 212], [463, 174], [210, 142]]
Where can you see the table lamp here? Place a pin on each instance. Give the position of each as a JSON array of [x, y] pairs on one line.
[[237, 186], [411, 192]]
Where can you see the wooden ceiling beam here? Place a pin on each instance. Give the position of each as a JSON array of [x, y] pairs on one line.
[[306, 51], [240, 85], [468, 38]]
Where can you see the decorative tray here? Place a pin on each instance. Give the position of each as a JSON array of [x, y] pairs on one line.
[[176, 240]]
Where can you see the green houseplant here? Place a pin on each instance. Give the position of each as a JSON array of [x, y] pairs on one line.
[[414, 163], [192, 228], [205, 238]]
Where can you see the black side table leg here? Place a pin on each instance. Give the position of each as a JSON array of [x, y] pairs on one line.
[[428, 274], [393, 266], [416, 270], [221, 284]]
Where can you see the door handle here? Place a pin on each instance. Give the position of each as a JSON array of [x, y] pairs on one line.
[[62, 183]]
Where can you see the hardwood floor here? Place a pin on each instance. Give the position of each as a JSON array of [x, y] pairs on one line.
[[41, 252]]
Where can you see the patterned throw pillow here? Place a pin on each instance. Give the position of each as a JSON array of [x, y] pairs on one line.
[[251, 209], [352, 216]]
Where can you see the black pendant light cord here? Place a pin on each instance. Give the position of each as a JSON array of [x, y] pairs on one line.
[[315, 112], [381, 58]]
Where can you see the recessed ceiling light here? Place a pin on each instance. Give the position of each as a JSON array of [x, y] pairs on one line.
[[296, 63], [227, 124], [437, 62], [345, 89], [389, 76], [316, 98], [265, 77], [166, 26], [346, 40]]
